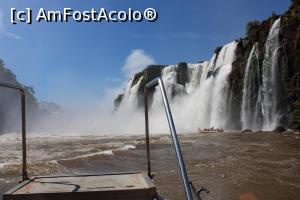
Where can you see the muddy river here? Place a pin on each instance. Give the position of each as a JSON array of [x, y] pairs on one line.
[[264, 166]]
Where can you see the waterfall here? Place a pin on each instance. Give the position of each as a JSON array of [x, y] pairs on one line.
[[226, 55], [220, 86], [259, 109], [205, 106], [194, 73], [250, 88], [130, 100], [169, 76], [201, 102], [270, 78]]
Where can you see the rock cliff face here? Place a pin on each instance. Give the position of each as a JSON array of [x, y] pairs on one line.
[[261, 89], [290, 61], [256, 34], [10, 108], [288, 64]]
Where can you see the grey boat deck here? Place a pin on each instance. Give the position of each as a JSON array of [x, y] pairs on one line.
[[123, 186]]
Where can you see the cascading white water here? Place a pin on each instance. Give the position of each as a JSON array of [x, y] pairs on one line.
[[206, 107], [201, 102], [223, 68], [204, 101], [259, 109], [270, 79], [248, 108], [130, 100], [226, 55], [211, 64], [194, 73]]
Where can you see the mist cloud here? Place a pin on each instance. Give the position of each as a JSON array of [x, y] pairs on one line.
[[97, 117]]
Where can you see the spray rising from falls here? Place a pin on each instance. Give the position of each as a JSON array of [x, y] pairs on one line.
[[197, 92]]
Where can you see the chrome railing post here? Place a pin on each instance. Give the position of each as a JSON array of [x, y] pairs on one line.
[[23, 107], [158, 81]]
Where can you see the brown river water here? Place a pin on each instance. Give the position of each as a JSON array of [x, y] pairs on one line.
[[264, 166]]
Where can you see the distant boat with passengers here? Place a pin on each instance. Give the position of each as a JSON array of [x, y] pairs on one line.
[[211, 130]]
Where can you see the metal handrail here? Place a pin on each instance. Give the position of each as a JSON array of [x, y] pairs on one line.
[[24, 161], [158, 81]]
